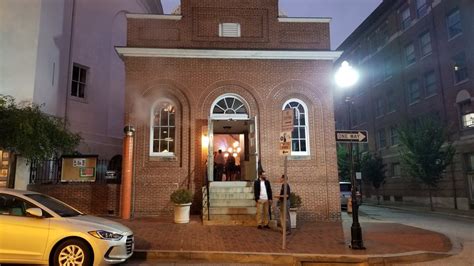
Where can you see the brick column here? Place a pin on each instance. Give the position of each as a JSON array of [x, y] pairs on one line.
[[127, 166]]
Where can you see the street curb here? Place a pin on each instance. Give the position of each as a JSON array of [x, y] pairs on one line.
[[286, 258], [417, 210]]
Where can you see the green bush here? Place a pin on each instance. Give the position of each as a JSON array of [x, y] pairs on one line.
[[181, 196], [295, 200]]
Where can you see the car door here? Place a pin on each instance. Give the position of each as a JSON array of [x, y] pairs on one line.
[[22, 237]]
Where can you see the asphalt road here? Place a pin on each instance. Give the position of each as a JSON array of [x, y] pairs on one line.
[[459, 229]]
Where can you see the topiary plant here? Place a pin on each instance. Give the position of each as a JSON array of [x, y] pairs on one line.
[[295, 200], [181, 196]]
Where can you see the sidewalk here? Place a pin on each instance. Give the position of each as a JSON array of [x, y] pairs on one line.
[[316, 242], [420, 208]]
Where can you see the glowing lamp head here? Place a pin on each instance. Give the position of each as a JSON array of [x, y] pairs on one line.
[[346, 76]]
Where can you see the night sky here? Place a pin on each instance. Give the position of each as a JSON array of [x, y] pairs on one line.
[[346, 14]]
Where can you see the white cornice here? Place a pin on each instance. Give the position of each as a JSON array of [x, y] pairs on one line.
[[154, 16], [228, 54], [306, 20]]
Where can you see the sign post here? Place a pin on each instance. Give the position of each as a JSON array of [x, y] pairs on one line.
[[285, 150]]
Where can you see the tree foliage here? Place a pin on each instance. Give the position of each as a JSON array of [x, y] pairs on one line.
[[26, 130], [424, 151], [343, 163], [373, 170]]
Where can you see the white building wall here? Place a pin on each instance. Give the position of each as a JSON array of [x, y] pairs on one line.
[[98, 27]]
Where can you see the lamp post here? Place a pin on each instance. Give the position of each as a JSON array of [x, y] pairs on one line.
[[345, 78]]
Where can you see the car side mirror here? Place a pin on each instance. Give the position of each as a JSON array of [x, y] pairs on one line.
[[35, 212]]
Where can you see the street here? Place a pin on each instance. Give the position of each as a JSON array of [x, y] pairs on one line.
[[459, 230]]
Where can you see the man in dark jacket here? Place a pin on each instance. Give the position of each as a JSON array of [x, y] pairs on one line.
[[263, 197]]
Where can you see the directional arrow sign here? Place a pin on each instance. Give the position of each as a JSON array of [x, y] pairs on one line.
[[351, 135]]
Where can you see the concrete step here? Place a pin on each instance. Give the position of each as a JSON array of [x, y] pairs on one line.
[[232, 210], [231, 189], [231, 184], [230, 196], [232, 203], [231, 222]]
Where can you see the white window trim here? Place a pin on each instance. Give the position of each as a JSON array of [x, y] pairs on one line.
[[307, 152], [152, 125], [230, 116]]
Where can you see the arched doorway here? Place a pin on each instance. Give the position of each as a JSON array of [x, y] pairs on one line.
[[233, 145]]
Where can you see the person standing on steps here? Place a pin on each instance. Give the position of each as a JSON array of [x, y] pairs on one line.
[[263, 197], [220, 162]]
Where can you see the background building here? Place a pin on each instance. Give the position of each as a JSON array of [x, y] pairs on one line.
[[60, 54], [416, 59]]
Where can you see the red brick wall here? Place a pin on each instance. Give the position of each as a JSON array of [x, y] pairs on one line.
[[96, 199], [193, 84], [199, 28]]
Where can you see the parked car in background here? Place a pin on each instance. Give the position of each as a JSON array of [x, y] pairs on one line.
[[38, 229], [345, 193]]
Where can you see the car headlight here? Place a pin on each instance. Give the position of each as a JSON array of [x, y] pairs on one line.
[[101, 234]]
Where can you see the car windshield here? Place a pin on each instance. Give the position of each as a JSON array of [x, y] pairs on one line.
[[55, 205], [345, 187]]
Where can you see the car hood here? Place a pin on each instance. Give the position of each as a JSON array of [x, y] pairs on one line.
[[97, 223]]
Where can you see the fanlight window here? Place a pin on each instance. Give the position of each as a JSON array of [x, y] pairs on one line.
[[229, 106], [163, 133], [299, 136]]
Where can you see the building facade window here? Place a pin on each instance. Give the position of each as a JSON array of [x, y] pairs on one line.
[[79, 81], [231, 30], [300, 134], [405, 18], [391, 102], [229, 106], [413, 91], [467, 114], [394, 136], [379, 107], [430, 83], [163, 129], [469, 162], [421, 8], [453, 21], [425, 44], [410, 56], [395, 170], [460, 68], [381, 142]]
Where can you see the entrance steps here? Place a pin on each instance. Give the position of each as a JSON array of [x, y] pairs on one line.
[[231, 203]]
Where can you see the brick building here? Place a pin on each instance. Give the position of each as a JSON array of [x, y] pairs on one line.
[[416, 59], [217, 76]]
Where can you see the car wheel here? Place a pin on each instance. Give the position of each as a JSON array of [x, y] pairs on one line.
[[72, 252]]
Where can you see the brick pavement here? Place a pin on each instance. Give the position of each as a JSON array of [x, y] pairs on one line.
[[154, 234]]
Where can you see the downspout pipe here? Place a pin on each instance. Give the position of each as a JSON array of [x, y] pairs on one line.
[[127, 173]]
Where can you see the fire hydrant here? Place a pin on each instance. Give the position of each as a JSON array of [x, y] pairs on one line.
[[349, 205]]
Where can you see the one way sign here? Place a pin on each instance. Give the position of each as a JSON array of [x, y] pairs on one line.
[[351, 135]]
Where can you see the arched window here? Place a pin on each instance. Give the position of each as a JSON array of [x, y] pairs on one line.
[[300, 134], [229, 106], [163, 129]]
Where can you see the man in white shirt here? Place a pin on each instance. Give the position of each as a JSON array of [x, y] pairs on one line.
[[263, 197]]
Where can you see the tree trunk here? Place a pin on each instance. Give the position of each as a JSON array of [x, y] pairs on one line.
[[431, 199]]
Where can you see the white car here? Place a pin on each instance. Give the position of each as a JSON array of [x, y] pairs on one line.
[[38, 229]]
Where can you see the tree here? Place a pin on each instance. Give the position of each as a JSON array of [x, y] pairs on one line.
[[373, 169], [342, 163], [26, 130], [425, 152]]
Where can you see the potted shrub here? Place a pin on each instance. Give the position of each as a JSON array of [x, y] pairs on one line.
[[182, 199], [295, 203]]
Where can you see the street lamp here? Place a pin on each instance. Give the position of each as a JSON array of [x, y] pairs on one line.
[[346, 77]]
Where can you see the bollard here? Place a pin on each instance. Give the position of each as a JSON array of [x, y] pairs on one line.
[[349, 205]]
